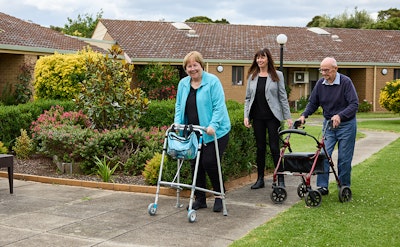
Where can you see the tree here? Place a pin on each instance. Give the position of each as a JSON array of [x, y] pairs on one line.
[[319, 21], [205, 19], [388, 20], [358, 20], [83, 26]]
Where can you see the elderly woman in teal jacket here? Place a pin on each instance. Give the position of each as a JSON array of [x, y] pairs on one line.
[[201, 101]]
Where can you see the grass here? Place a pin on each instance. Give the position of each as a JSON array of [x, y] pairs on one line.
[[370, 219]]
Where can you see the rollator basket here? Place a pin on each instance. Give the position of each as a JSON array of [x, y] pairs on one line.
[[302, 162]]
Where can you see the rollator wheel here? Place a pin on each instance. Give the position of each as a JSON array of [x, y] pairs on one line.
[[192, 215], [278, 195], [301, 190], [313, 198], [345, 194], [152, 209]]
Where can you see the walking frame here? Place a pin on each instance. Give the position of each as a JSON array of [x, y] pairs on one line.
[[176, 184]]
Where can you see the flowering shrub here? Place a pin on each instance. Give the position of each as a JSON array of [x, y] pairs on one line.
[[163, 93], [390, 96], [66, 134], [56, 132], [56, 117]]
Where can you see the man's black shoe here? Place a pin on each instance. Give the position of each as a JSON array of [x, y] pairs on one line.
[[323, 190], [259, 184]]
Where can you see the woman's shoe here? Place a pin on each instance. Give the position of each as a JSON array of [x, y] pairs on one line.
[[217, 205], [259, 184], [197, 204]]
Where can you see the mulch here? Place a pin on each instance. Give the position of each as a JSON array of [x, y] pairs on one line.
[[44, 166]]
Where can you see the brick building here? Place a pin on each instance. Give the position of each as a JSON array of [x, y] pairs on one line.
[[370, 57], [23, 43]]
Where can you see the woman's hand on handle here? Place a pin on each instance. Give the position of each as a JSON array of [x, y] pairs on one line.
[[210, 131]]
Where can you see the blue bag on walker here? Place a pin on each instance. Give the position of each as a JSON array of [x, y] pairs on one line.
[[182, 147]]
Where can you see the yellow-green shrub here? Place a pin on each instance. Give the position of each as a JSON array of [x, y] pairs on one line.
[[3, 149], [390, 96], [58, 76], [24, 145], [152, 168]]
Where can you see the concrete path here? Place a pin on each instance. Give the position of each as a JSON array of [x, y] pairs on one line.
[[39, 214]]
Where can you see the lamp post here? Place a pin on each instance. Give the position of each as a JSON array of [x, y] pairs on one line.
[[281, 39]]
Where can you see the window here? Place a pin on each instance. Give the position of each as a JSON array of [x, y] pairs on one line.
[[396, 74], [237, 75]]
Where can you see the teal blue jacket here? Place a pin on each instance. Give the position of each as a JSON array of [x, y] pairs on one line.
[[211, 107]]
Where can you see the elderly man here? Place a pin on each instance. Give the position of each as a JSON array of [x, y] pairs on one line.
[[336, 94]]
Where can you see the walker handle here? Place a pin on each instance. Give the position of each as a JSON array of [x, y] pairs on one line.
[[295, 131]]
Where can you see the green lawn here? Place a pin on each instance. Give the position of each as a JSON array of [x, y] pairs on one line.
[[372, 218]]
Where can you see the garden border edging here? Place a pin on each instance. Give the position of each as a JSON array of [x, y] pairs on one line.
[[230, 185]]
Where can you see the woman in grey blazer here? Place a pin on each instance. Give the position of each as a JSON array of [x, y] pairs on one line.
[[266, 105]]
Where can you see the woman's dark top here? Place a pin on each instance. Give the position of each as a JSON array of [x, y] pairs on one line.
[[260, 108], [191, 108]]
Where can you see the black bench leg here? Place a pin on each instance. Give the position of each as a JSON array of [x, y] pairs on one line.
[[11, 179]]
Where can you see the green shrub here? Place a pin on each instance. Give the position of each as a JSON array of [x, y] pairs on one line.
[[301, 104], [239, 157], [130, 147], [152, 169], [17, 117], [24, 146], [364, 106], [106, 96], [6, 96], [160, 113]]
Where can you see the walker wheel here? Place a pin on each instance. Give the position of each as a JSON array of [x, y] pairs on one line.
[[152, 209], [301, 190], [313, 198], [345, 194], [278, 195], [192, 215]]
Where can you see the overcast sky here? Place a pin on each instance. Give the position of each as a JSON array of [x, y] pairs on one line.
[[254, 12]]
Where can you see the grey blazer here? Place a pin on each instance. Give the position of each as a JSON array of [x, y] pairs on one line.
[[275, 94]]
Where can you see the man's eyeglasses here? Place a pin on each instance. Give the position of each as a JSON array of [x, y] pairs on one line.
[[324, 70]]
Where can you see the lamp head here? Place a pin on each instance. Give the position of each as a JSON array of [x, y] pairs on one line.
[[281, 39]]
